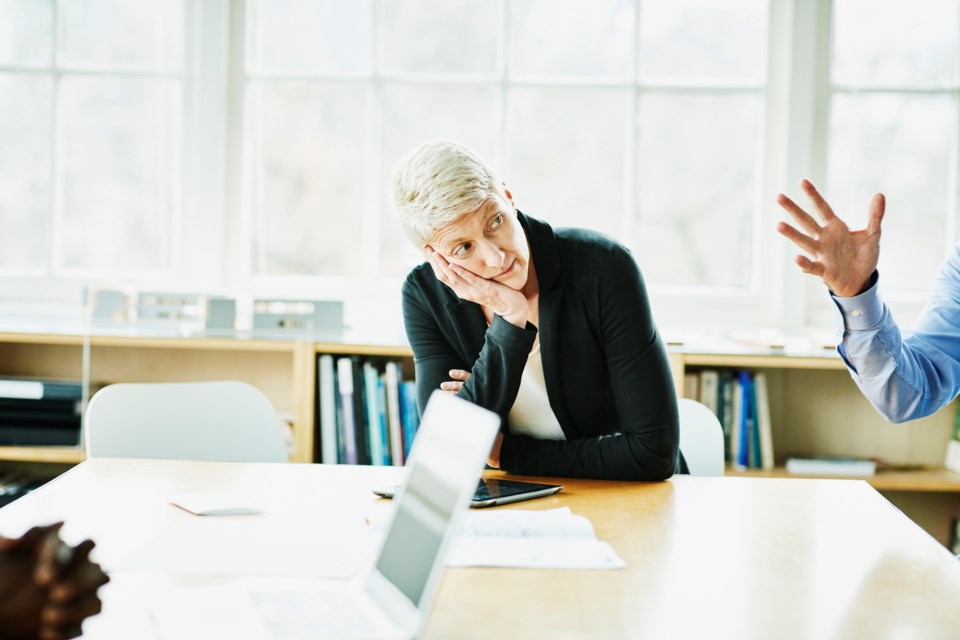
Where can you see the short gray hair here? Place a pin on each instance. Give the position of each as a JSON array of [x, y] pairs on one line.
[[436, 183]]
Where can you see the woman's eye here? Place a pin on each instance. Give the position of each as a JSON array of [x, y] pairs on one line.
[[462, 250], [497, 221]]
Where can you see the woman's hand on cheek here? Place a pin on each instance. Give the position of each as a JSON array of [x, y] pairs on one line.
[[509, 304]]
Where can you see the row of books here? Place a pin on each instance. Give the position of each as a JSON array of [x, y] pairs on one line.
[[366, 411], [739, 399], [39, 412]]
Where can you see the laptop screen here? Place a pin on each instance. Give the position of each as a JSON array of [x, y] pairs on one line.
[[413, 542], [451, 445]]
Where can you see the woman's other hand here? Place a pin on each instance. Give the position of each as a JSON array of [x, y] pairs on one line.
[[459, 378]]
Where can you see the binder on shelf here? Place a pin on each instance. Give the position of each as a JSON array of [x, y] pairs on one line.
[[39, 412]]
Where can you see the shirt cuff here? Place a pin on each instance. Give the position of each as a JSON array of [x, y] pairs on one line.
[[862, 312]]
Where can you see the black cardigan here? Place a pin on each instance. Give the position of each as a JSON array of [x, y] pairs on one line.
[[605, 366]]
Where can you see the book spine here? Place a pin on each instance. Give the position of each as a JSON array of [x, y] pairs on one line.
[[327, 396], [348, 423], [725, 411], [360, 412], [709, 385], [752, 424], [763, 420], [411, 418], [372, 413], [741, 420], [392, 383], [381, 391]]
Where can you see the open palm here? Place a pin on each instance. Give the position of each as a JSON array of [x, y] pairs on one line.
[[844, 259]]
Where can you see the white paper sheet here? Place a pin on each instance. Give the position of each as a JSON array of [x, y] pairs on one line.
[[549, 539], [533, 553], [231, 547]]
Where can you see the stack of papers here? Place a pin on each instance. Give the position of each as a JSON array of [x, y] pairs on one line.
[[551, 539]]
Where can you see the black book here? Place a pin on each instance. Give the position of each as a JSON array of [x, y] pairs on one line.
[[360, 411], [39, 435]]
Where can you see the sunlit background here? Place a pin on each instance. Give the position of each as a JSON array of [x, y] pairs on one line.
[[245, 147]]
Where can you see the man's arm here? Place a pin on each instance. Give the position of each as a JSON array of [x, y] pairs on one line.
[[911, 374]]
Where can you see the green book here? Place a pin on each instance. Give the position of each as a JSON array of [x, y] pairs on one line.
[[955, 435]]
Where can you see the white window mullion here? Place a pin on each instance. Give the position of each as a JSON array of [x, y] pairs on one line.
[[237, 230], [374, 182], [198, 257], [799, 90]]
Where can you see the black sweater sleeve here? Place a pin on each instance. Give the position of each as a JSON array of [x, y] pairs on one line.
[[494, 376], [643, 443]]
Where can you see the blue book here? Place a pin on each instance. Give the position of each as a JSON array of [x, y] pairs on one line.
[[410, 418], [382, 413], [743, 452], [756, 455]]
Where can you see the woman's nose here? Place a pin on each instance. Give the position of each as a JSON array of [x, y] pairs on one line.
[[493, 256]]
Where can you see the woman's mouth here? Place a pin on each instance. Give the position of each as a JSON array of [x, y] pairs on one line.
[[508, 271]]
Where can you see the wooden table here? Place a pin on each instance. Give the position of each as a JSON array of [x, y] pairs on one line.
[[706, 557]]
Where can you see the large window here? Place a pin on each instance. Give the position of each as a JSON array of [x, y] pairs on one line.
[[894, 128], [90, 133], [246, 146]]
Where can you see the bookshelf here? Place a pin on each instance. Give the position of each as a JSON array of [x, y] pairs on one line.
[[829, 416], [816, 409], [282, 367]]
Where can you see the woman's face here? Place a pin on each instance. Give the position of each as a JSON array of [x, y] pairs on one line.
[[489, 242]]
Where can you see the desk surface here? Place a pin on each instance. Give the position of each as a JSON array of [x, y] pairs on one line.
[[706, 557]]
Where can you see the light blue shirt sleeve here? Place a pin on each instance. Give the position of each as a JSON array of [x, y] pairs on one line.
[[911, 373]]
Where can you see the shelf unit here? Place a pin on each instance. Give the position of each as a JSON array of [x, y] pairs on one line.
[[815, 406], [283, 368], [817, 409]]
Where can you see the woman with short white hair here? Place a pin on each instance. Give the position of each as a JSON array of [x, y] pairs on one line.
[[550, 328]]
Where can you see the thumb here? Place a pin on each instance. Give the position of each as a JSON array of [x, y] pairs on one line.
[[878, 205]]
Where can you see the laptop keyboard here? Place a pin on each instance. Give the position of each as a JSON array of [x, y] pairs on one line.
[[304, 615]]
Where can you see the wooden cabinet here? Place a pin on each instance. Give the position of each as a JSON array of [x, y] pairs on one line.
[[284, 369], [816, 409], [815, 406]]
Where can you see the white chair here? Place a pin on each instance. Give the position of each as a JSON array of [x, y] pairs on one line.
[[220, 421], [701, 439]]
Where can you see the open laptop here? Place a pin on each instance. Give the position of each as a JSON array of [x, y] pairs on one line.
[[393, 599]]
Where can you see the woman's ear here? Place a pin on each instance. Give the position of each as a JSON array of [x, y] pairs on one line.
[[507, 193]]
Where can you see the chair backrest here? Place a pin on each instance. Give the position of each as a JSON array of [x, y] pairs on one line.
[[221, 421], [701, 439]]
